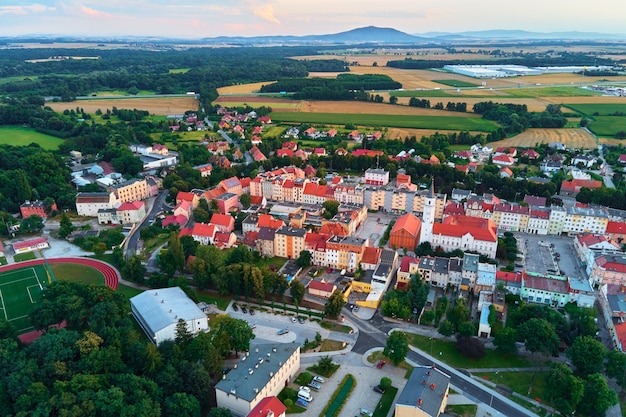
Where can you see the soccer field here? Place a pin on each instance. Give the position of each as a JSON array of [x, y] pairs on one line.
[[19, 292]]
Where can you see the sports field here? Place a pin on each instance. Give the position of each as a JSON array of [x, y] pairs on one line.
[[19, 291]]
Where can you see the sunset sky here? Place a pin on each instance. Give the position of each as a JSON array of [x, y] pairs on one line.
[[209, 18]]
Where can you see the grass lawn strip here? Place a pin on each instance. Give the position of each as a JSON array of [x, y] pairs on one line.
[[339, 397], [451, 356], [520, 382], [292, 395], [463, 410], [385, 403], [24, 136]]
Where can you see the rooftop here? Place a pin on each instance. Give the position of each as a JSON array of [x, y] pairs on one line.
[[425, 389]]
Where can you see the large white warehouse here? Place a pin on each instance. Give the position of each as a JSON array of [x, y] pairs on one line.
[[158, 312]]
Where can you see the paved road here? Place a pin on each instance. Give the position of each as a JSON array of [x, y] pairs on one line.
[[157, 207], [227, 138]]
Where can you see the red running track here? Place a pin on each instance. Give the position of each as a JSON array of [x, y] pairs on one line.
[[111, 274]]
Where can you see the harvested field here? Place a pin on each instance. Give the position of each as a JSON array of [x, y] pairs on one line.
[[573, 138], [161, 106], [533, 104], [357, 107], [400, 133], [612, 141], [588, 100], [277, 104], [242, 88]]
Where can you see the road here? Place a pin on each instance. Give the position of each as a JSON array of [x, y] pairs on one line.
[[374, 333], [158, 206], [227, 138]]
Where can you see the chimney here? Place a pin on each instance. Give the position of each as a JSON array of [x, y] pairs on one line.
[[419, 402]]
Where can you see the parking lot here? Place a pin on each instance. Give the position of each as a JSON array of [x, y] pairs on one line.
[[374, 227], [540, 256]]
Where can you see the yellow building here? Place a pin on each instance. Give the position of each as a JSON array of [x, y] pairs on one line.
[[289, 242], [132, 190]]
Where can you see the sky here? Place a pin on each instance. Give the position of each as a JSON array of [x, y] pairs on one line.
[[209, 18]]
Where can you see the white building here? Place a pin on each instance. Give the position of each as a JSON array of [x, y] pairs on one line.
[[158, 312], [88, 204], [376, 176], [262, 372]]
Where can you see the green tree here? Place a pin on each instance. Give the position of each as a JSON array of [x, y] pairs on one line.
[[133, 269], [245, 200], [334, 304], [219, 412], [563, 388], [183, 335], [385, 382], [65, 227], [417, 293], [397, 347], [31, 224], [325, 365], [297, 290], [458, 314], [598, 396], [587, 355], [505, 340], [153, 360], [331, 207], [182, 404], [466, 329], [175, 251], [446, 328], [539, 336], [304, 260], [615, 366]]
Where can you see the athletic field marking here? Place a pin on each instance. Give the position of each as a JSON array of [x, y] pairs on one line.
[[19, 280], [19, 270], [3, 307], [20, 317], [29, 294]]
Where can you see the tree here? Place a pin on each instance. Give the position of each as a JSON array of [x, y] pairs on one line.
[[505, 340], [182, 404], [175, 251], [245, 200], [598, 396], [219, 412], [615, 366], [397, 347], [417, 293], [331, 207], [31, 224], [446, 328], [385, 382], [325, 365], [458, 314], [472, 347], [334, 304], [65, 226], [466, 329], [296, 289], [304, 260], [183, 335], [133, 270], [587, 355], [563, 388], [539, 337]]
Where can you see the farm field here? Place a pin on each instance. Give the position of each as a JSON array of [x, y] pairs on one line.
[[357, 107], [242, 88], [603, 109], [24, 136], [402, 133], [456, 83], [533, 104], [390, 120], [573, 138], [277, 104], [113, 93], [161, 106]]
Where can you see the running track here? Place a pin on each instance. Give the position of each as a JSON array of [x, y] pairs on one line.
[[111, 274]]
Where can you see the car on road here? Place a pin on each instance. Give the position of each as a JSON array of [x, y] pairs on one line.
[[366, 412], [355, 309], [379, 389], [252, 312], [319, 379], [380, 364], [235, 308], [301, 320], [252, 325], [283, 331], [293, 319], [244, 310]]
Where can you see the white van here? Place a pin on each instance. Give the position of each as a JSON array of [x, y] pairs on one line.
[[305, 395]]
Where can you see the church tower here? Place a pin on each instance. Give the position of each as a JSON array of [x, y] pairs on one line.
[[428, 216]]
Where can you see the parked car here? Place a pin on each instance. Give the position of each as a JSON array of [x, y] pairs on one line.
[[252, 325], [252, 312], [283, 331], [293, 319], [319, 379], [303, 388], [235, 308], [244, 310], [379, 389], [380, 364], [301, 320], [315, 385], [366, 412], [355, 309], [302, 403]]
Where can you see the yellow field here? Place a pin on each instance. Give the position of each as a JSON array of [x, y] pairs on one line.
[[160, 106], [612, 141], [242, 88], [573, 138]]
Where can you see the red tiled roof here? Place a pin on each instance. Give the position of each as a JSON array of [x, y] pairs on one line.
[[131, 206], [530, 153], [222, 219], [511, 208], [620, 331], [366, 152], [576, 185], [507, 171], [480, 229], [267, 220], [186, 231], [509, 276], [622, 159], [454, 208], [333, 229], [185, 196], [284, 152], [406, 263], [546, 284], [29, 243], [371, 255], [266, 405], [409, 222], [540, 214], [180, 220], [616, 228], [321, 286], [503, 158], [201, 229]]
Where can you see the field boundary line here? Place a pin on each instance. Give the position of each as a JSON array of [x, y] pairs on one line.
[[15, 272], [19, 280], [3, 307], [20, 317], [29, 294]]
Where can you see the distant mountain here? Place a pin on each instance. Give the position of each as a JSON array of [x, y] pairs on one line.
[[520, 35]]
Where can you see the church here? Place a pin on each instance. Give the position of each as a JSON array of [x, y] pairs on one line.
[[457, 231]]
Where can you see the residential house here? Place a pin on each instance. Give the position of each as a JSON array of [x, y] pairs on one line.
[[552, 290], [265, 241], [376, 176], [289, 242], [503, 160], [88, 204], [131, 212], [425, 394], [203, 233], [573, 187], [189, 197], [321, 288], [224, 223], [131, 190], [269, 407], [38, 208]]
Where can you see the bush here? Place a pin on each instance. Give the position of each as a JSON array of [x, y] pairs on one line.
[[470, 347]]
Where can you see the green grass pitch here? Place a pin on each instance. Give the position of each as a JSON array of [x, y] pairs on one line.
[[20, 290]]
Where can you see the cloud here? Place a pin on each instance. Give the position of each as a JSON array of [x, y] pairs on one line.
[[25, 10], [266, 12], [93, 12]]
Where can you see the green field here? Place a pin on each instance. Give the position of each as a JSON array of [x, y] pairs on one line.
[[603, 109], [527, 92], [19, 292], [104, 94], [24, 136], [607, 125], [444, 93], [179, 70], [6, 80], [77, 273], [455, 83], [391, 120]]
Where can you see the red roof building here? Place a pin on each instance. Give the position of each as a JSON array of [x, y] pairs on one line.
[[284, 152], [223, 222], [405, 232], [616, 231], [530, 154], [573, 187], [257, 155], [37, 208], [268, 407], [367, 152], [321, 288], [503, 160]]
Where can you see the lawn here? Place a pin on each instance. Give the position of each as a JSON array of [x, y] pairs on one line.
[[212, 298], [290, 394], [336, 327], [391, 120], [179, 70], [442, 93], [331, 345], [456, 83], [339, 398], [450, 355], [128, 292], [77, 273], [24, 136], [607, 125], [520, 382], [462, 410], [24, 256], [551, 92], [3, 260], [316, 370], [385, 403]]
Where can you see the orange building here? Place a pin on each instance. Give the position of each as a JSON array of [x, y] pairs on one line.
[[405, 232]]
